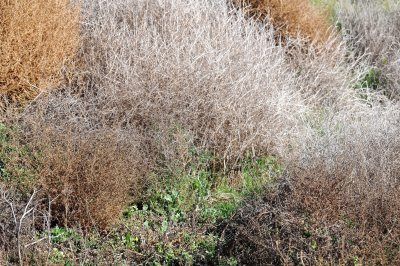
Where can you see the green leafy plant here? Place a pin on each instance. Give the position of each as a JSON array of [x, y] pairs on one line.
[[129, 240], [200, 196], [58, 257], [18, 162], [372, 79], [62, 234]]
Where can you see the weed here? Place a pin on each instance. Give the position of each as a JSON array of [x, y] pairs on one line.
[[88, 181], [200, 198], [61, 235], [371, 80], [57, 257]]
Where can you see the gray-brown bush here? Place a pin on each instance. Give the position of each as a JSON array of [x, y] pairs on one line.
[[340, 202], [154, 67], [163, 77], [295, 225], [372, 31], [344, 168], [90, 180], [21, 219]]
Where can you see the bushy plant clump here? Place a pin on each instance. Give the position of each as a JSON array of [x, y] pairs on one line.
[[296, 225], [291, 18], [162, 144], [154, 81], [37, 38]]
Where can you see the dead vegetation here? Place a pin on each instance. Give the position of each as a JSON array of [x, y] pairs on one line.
[[89, 180], [372, 31], [315, 222], [290, 18], [38, 37], [21, 219], [149, 87], [160, 80], [154, 101]]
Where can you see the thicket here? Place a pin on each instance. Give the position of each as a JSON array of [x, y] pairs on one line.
[[154, 85], [171, 115], [371, 30]]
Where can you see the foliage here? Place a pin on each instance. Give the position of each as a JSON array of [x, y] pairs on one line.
[[186, 209], [18, 162], [371, 30], [370, 80]]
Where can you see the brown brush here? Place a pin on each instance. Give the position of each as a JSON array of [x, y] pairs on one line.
[[37, 38], [290, 17]]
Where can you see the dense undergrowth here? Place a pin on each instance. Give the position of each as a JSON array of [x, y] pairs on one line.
[[200, 133]]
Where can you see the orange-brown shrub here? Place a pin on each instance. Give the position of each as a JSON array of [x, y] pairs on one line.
[[37, 37], [290, 17]]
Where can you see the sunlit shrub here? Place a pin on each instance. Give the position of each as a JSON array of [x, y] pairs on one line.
[[37, 38]]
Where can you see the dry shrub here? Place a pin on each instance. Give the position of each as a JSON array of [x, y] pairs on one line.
[[290, 17], [172, 76], [268, 231], [8, 228], [345, 173], [37, 37], [160, 78], [21, 219], [367, 214], [168, 76], [153, 68], [315, 222], [372, 31], [88, 174], [89, 179], [325, 75], [341, 202]]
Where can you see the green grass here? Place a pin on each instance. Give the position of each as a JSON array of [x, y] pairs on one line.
[[371, 79]]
